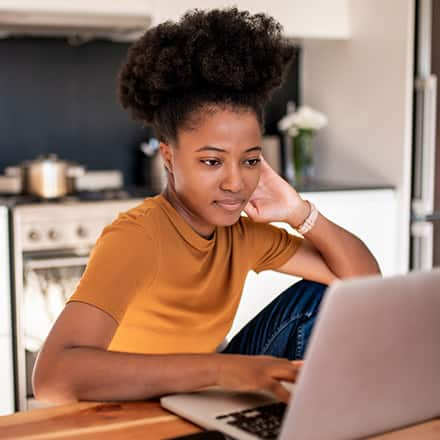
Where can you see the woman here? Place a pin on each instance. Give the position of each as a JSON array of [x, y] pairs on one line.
[[164, 279]]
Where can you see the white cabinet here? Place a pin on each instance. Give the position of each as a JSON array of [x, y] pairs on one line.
[[130, 7], [328, 19], [6, 377], [369, 214], [300, 18], [6, 366], [5, 291], [78, 21]]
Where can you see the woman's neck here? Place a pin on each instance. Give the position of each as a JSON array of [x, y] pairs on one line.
[[170, 194]]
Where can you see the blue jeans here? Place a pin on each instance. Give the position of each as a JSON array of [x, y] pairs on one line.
[[283, 327]]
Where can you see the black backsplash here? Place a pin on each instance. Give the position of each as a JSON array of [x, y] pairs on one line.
[[60, 98]]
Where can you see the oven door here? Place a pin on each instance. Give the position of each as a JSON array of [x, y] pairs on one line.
[[49, 278]]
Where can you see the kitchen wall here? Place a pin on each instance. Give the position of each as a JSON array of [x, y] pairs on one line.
[[364, 86], [60, 98]]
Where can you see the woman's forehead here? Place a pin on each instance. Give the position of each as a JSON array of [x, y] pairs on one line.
[[223, 129]]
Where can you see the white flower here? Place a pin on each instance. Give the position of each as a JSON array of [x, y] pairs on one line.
[[292, 131], [304, 118], [287, 121]]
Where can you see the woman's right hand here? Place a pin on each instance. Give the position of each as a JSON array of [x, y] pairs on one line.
[[257, 373]]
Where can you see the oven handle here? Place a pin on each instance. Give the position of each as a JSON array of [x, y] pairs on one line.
[[49, 263]]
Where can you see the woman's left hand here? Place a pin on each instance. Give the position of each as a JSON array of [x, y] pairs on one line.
[[275, 200]]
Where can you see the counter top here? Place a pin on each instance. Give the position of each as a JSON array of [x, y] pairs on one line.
[[132, 420], [142, 192], [110, 195], [332, 185]]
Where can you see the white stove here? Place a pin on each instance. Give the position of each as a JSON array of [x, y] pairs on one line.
[[51, 242]]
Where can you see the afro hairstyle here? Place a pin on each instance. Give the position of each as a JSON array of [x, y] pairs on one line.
[[216, 58]]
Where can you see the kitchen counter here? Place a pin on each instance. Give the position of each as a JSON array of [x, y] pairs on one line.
[[142, 192], [324, 185], [132, 420], [320, 186], [127, 193], [333, 185]]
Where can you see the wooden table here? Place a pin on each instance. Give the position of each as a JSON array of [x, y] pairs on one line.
[[132, 421]]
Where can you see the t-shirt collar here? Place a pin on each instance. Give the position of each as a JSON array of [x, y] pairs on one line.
[[184, 228]]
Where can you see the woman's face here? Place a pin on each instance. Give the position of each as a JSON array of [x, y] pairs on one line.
[[214, 169]]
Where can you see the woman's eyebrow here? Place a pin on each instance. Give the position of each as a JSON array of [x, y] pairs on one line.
[[221, 150]]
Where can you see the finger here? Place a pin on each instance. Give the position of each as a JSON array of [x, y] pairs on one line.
[[264, 162], [287, 374], [265, 166], [279, 391], [250, 210], [297, 364], [264, 169], [259, 191]]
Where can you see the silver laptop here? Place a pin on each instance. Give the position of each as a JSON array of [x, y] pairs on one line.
[[372, 365]]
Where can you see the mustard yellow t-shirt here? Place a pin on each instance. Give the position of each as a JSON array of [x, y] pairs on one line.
[[170, 289]]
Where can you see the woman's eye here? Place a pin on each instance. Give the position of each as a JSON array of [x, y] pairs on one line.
[[253, 162], [210, 162]]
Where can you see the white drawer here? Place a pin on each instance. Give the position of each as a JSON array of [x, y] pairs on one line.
[[6, 377]]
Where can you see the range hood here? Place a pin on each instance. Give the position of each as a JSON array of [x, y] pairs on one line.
[[73, 24]]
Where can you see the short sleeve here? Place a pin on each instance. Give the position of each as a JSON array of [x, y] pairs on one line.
[[122, 262], [272, 246]]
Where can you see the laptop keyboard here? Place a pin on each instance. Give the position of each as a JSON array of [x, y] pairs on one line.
[[263, 421]]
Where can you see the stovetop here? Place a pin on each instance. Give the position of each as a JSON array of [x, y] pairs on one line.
[[82, 196], [69, 222]]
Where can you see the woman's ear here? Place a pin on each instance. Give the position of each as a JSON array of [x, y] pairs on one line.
[[166, 151]]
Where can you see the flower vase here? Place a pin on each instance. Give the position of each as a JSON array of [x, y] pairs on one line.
[[302, 156]]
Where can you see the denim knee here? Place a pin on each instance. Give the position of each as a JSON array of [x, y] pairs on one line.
[[306, 296], [302, 301], [280, 329]]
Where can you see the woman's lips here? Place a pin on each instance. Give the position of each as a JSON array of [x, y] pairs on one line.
[[229, 204]]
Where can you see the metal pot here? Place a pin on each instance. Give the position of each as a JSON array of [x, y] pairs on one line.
[[47, 176]]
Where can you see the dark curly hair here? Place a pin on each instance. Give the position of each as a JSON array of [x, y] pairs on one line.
[[208, 59]]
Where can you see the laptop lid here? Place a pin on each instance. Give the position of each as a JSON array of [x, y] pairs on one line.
[[373, 361]]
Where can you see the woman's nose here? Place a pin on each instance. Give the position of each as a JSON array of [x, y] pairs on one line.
[[232, 179]]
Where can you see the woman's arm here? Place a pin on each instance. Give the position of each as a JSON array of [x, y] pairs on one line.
[[328, 252], [74, 364]]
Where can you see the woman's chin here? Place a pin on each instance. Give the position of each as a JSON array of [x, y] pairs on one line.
[[227, 220]]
